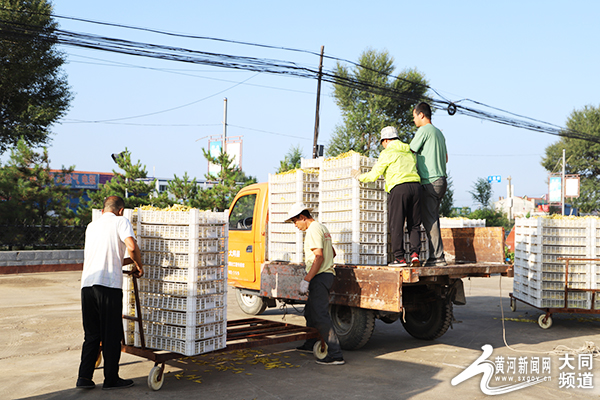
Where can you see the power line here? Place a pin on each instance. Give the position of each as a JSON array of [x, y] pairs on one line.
[[271, 66]]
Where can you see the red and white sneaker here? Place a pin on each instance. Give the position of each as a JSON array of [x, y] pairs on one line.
[[414, 260]]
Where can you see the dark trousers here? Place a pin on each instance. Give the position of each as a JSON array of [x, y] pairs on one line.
[[102, 309], [404, 204], [317, 315], [433, 193]]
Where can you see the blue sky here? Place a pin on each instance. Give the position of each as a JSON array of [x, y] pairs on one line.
[[534, 58]]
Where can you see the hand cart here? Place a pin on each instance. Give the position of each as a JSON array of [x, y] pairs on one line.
[[545, 320], [241, 334]]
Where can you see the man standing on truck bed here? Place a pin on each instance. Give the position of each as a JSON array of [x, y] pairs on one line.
[[398, 166], [106, 240], [429, 145], [318, 257]]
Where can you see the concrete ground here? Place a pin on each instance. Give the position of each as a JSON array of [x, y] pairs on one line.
[[41, 337]]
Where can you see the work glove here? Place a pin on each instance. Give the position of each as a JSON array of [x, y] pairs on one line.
[[355, 173], [303, 287]]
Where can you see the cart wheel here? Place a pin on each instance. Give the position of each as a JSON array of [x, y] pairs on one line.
[[98, 360], [513, 304], [320, 350], [547, 324], [156, 378]]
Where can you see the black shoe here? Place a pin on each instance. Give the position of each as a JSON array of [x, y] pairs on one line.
[[398, 263], [85, 383], [331, 361], [436, 262], [119, 384]]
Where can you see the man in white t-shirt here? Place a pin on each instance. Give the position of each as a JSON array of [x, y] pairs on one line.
[[318, 257], [106, 240]]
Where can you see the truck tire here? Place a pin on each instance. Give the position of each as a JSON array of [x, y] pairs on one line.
[[430, 320], [249, 303], [353, 326]]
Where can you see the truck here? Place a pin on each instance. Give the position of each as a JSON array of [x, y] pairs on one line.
[[421, 298]]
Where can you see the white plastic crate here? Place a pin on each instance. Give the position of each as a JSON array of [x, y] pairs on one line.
[[162, 259], [182, 246], [290, 256], [187, 333], [185, 275], [181, 289], [185, 347], [189, 319], [461, 223], [190, 217], [185, 304], [182, 231]]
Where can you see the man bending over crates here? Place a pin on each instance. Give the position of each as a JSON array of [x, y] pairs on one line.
[[106, 240], [318, 257], [398, 166]]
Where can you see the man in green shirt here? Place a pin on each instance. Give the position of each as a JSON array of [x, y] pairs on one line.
[[318, 257], [398, 166], [429, 145]]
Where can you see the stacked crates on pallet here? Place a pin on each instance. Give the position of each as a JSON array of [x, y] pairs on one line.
[[285, 242], [183, 290], [539, 274], [355, 213]]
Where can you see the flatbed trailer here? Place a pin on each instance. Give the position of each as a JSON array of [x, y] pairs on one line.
[[241, 334], [545, 319]]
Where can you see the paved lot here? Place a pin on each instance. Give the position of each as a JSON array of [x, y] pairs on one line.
[[41, 336]]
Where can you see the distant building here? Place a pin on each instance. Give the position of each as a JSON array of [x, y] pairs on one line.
[[516, 206], [82, 181]]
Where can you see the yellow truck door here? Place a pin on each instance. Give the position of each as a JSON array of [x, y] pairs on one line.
[[244, 215]]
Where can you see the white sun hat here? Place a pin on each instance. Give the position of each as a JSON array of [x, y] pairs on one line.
[[296, 209], [389, 132]]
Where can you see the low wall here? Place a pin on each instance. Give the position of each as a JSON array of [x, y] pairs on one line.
[[17, 262]]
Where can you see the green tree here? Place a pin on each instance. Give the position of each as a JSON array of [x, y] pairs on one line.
[[34, 92], [184, 190], [582, 157], [447, 201], [30, 192], [292, 160], [365, 113], [482, 192], [493, 218], [230, 180], [132, 185]]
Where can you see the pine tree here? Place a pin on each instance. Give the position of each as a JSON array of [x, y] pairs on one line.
[[229, 181]]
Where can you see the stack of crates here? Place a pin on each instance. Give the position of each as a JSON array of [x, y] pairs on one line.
[[539, 275], [355, 213], [183, 290], [285, 242]]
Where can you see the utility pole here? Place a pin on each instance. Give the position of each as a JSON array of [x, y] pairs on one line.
[[562, 185], [224, 148], [316, 137], [510, 199]]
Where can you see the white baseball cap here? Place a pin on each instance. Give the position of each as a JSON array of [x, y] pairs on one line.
[[296, 209], [389, 132]]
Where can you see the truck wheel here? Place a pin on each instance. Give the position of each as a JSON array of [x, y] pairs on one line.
[[353, 326], [429, 320], [249, 303]]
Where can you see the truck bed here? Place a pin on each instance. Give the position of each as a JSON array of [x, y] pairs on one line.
[[473, 252]]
